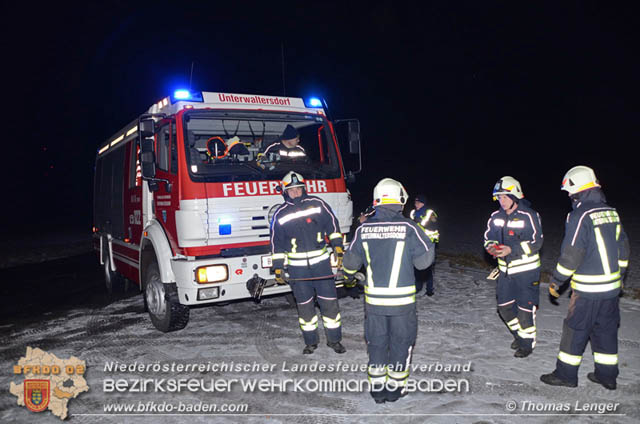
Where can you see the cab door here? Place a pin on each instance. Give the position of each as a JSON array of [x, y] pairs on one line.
[[166, 198]]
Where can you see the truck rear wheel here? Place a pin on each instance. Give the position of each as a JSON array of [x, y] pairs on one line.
[[113, 282], [165, 310]]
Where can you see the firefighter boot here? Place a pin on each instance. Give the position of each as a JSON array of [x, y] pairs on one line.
[[592, 376], [395, 394], [337, 347], [522, 353], [515, 344], [553, 380], [378, 393], [309, 349]]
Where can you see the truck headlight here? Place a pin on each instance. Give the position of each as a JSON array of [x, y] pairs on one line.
[[212, 274]]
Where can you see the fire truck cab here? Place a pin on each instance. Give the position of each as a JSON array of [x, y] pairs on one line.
[[184, 195]]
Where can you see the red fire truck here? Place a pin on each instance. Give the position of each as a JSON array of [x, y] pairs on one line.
[[184, 194]]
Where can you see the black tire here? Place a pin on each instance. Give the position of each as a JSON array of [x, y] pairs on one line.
[[113, 282], [161, 301]]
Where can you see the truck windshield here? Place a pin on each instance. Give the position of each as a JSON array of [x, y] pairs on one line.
[[226, 146]]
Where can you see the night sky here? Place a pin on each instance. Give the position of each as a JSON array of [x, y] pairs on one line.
[[450, 97]]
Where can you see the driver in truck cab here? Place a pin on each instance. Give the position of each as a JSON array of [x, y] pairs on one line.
[[288, 148]]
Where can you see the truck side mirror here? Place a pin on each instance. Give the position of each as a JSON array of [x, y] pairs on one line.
[[146, 127], [348, 133], [147, 157], [354, 136]]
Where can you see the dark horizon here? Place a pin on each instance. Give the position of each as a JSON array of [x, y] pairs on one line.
[[450, 97]]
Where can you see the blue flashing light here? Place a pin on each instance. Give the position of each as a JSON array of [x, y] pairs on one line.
[[313, 102], [224, 230], [183, 94]]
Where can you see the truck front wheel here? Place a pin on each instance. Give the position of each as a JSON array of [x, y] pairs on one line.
[[165, 310]]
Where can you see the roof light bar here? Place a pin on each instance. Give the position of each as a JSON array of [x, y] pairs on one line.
[[186, 95]]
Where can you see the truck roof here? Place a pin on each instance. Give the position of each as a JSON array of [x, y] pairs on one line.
[[189, 99], [182, 99]]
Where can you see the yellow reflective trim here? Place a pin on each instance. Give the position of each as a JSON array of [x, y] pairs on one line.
[[335, 236], [524, 260], [523, 268], [398, 375], [595, 288], [388, 201], [313, 320], [276, 256], [390, 290], [331, 323], [308, 261], [365, 245], [305, 255], [569, 359], [349, 271], [514, 324], [596, 278], [565, 271], [525, 247], [602, 249], [623, 264], [586, 186], [605, 358], [294, 246], [399, 301], [376, 371], [618, 229], [397, 262]]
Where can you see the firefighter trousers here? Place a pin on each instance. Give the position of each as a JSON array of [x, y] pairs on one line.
[[390, 339], [306, 293], [594, 320], [518, 296]]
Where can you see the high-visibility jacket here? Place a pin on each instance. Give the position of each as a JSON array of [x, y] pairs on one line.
[[595, 249], [522, 232], [285, 152], [427, 219], [299, 232], [389, 245]]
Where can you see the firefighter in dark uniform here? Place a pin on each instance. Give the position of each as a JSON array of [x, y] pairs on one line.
[[427, 219], [595, 256], [299, 230], [514, 237], [288, 148], [389, 246]]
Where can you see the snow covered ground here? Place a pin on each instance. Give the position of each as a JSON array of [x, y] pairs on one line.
[[458, 326]]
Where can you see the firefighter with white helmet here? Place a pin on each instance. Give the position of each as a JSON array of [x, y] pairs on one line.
[[595, 256], [389, 245], [300, 228], [514, 237]]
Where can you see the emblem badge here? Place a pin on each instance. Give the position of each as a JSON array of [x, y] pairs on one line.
[[36, 394]]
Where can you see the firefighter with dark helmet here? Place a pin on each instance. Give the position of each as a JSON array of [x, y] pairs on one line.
[[300, 229], [514, 237], [595, 256], [389, 246]]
